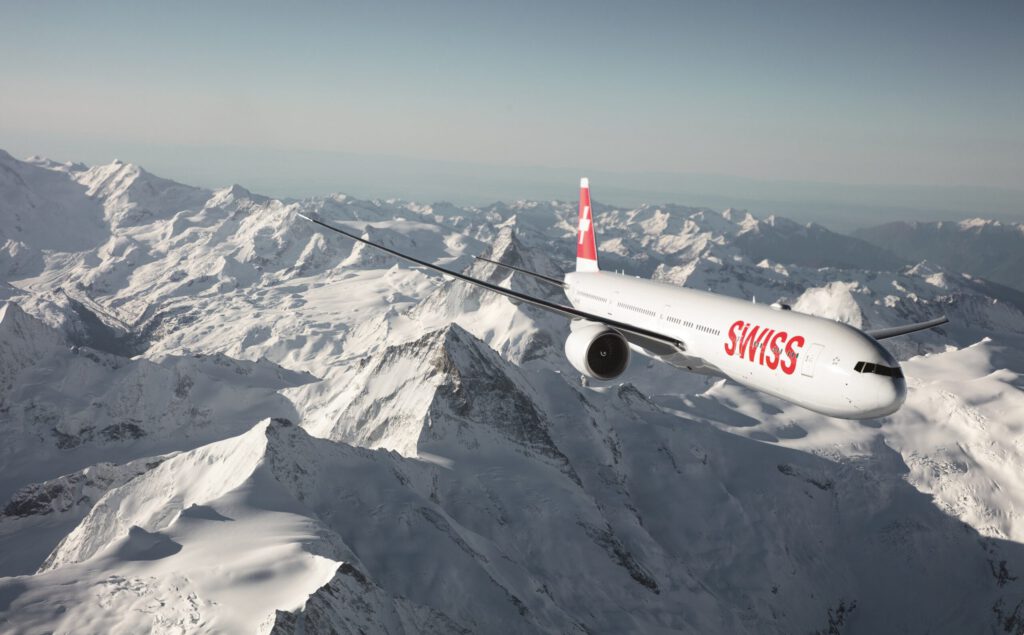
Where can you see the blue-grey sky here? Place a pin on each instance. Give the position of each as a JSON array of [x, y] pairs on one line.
[[924, 93]]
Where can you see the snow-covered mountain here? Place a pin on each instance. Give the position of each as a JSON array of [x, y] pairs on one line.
[[216, 418], [986, 248]]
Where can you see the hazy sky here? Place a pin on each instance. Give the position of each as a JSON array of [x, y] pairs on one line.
[[923, 92]]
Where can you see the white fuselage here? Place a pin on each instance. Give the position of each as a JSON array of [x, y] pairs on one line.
[[820, 364]]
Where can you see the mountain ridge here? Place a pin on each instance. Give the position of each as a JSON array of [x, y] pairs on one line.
[[986, 248]]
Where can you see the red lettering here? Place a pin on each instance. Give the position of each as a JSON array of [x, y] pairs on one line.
[[789, 363], [775, 346], [730, 346], [758, 345], [763, 344], [748, 345], [767, 347]]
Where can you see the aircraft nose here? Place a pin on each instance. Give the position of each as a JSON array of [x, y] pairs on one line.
[[891, 395]]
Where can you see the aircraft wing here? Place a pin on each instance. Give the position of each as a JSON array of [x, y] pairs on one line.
[[526, 271], [882, 334], [633, 334]]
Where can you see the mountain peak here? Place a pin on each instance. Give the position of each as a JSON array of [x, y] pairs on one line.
[[17, 324], [978, 223], [237, 190], [132, 196], [505, 248], [234, 194], [924, 269], [444, 393], [738, 216], [10, 311]]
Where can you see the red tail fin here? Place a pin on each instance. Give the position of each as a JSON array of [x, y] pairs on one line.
[[586, 243]]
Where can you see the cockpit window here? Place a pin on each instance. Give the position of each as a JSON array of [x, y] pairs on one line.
[[878, 369]]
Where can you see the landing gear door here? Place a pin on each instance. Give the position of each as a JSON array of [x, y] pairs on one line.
[[809, 359]]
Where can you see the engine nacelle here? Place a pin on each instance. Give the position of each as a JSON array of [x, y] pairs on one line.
[[597, 351]]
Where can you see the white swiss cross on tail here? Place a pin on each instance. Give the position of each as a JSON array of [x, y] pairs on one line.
[[584, 222], [586, 245]]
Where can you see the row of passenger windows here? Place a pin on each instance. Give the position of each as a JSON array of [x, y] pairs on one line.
[[648, 312], [704, 329], [638, 309], [674, 320], [701, 328], [878, 369]]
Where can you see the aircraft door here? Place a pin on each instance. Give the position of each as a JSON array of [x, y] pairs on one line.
[[810, 357]]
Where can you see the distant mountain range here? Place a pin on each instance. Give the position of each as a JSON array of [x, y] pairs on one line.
[[289, 173], [985, 248]]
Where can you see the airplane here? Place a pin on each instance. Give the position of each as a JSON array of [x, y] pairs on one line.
[[819, 364]]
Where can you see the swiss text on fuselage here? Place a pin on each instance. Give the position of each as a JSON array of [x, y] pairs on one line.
[[767, 347]]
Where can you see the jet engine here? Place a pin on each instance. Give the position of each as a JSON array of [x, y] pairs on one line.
[[597, 351]]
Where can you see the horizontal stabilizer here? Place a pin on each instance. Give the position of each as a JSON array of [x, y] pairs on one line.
[[882, 334]]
